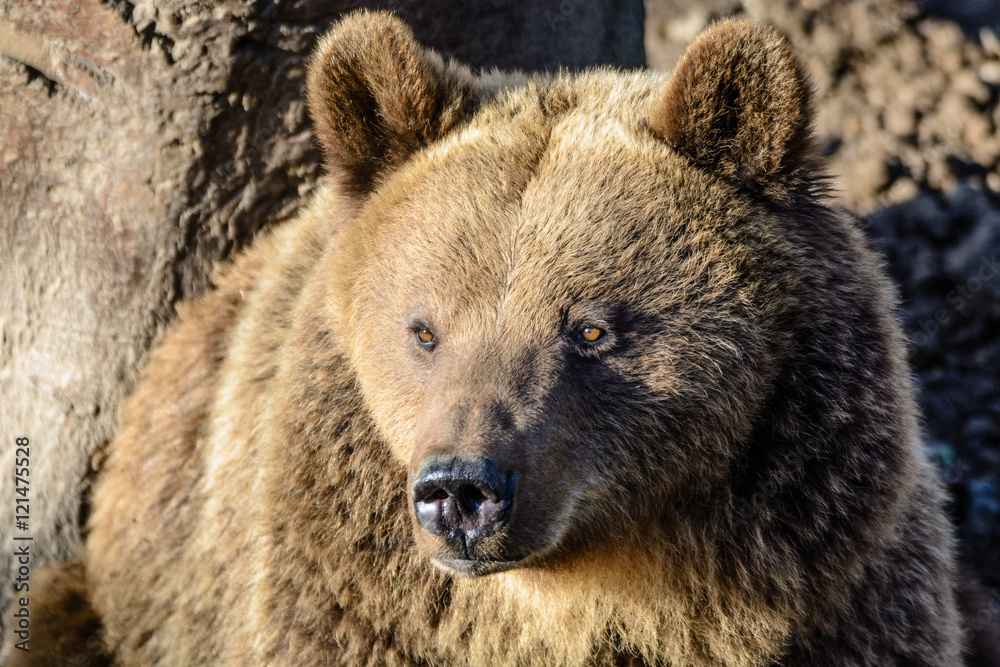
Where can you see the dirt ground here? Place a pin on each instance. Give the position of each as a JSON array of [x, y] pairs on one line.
[[908, 107]]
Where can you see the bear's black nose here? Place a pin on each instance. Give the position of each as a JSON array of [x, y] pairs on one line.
[[462, 498]]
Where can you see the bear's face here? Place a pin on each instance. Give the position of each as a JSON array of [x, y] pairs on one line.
[[548, 306]]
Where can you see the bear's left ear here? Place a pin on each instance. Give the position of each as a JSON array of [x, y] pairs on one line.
[[738, 105], [376, 96]]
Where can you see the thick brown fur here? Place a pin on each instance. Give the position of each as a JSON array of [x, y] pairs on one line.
[[731, 476]]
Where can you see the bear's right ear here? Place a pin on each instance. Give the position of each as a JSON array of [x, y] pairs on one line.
[[738, 105], [376, 97]]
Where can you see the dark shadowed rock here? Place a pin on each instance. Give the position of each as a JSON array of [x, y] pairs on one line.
[[975, 262], [936, 245]]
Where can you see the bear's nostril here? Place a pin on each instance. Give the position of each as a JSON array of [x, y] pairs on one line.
[[462, 498], [439, 494], [471, 496]]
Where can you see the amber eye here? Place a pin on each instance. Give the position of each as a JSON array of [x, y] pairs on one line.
[[425, 337], [591, 334]]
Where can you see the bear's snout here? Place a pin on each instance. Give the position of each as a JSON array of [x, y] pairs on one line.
[[462, 499]]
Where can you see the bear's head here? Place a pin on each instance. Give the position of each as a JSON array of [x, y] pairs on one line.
[[574, 303]]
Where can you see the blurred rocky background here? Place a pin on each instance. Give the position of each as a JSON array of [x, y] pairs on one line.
[[908, 109]]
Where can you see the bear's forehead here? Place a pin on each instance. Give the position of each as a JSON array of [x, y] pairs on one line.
[[523, 185], [577, 198]]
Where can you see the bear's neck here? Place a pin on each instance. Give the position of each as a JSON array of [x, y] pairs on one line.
[[621, 605]]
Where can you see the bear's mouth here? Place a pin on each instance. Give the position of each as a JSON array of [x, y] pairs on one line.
[[475, 567]]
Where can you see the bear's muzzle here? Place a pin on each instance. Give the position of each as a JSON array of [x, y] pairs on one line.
[[462, 499]]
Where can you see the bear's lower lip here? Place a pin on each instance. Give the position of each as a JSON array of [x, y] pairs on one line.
[[474, 567]]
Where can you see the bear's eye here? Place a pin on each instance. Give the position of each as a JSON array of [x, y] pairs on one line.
[[425, 337], [589, 335]]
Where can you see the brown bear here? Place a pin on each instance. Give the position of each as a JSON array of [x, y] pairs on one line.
[[556, 370]]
